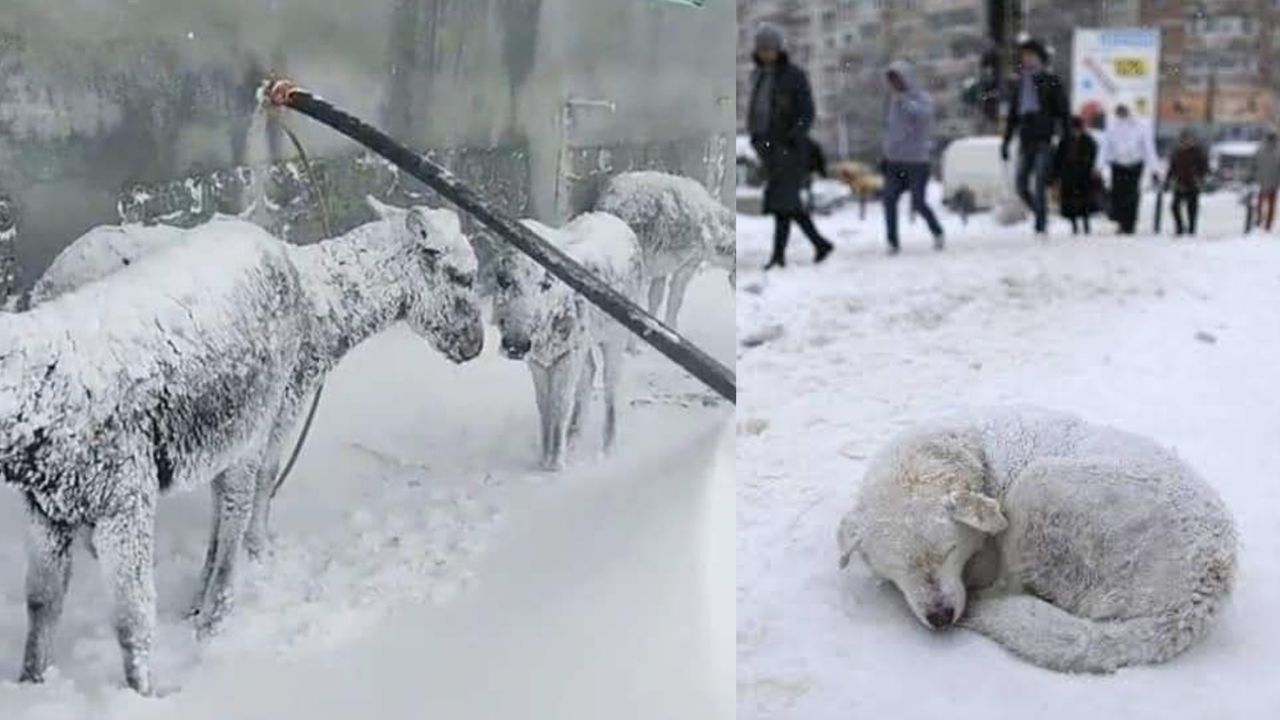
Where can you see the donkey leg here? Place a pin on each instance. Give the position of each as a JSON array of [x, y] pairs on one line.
[[48, 570], [235, 491], [539, 374], [675, 295], [611, 349], [582, 397], [257, 537], [125, 543], [560, 386]]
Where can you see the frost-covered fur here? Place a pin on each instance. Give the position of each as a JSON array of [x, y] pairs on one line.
[[103, 250], [554, 329], [1090, 548], [679, 225], [186, 369]]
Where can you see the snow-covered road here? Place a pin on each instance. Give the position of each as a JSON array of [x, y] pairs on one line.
[[1176, 339], [423, 569]]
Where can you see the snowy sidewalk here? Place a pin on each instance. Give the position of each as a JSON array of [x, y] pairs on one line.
[[1176, 339]]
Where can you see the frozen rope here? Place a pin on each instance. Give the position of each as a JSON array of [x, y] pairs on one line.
[[317, 191]]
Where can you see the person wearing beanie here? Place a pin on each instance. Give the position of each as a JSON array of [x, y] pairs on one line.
[[1038, 113], [779, 115], [907, 147]]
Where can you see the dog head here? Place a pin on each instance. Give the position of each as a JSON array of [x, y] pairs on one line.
[[920, 517]]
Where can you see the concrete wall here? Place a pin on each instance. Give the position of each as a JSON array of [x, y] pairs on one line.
[[144, 107]]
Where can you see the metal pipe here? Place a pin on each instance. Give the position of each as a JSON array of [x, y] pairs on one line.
[[674, 346]]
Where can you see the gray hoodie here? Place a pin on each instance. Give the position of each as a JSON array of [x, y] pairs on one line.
[[908, 118]]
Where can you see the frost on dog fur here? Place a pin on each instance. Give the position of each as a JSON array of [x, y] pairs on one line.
[[1078, 547], [679, 226], [188, 368], [555, 330]]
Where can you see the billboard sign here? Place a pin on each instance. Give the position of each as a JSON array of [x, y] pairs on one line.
[[1115, 66]]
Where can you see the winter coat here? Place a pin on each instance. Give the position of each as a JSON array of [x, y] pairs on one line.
[[784, 148], [1266, 167], [908, 119], [1188, 167], [1051, 120], [1075, 169]]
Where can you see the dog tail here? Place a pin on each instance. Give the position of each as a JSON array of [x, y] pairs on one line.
[[1050, 637]]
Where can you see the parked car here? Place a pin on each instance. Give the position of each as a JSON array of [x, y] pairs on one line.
[[1231, 163]]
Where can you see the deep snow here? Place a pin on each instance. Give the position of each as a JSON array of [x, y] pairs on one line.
[[422, 567], [1176, 339]]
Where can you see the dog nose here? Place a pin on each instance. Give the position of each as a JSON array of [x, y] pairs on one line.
[[940, 617]]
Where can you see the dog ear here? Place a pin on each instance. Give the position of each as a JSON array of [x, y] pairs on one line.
[[847, 539], [977, 511]]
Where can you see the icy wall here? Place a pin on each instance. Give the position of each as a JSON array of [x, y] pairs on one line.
[[141, 109]]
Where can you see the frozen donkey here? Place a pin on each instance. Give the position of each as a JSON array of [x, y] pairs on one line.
[[555, 330], [680, 227], [188, 368]]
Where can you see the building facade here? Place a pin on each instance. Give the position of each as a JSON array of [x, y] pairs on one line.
[[1219, 57]]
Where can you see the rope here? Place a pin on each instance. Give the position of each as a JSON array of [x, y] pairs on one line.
[[317, 191]]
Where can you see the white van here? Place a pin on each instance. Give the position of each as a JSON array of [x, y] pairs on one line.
[[974, 163]]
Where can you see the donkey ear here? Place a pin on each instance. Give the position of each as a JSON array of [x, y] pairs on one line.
[[378, 207], [976, 510]]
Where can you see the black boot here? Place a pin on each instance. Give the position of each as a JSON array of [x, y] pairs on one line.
[[822, 250], [775, 262]]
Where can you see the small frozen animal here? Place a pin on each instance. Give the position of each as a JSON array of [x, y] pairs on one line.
[[679, 225], [188, 368], [1077, 547], [554, 329]]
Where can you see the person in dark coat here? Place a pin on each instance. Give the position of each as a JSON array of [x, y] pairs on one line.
[[779, 116], [1188, 168], [1038, 113], [1075, 171]]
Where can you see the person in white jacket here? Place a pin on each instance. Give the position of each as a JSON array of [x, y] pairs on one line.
[[1127, 147]]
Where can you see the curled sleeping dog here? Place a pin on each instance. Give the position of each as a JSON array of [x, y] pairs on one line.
[[1077, 547]]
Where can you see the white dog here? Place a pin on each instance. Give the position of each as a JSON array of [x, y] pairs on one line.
[[1093, 548]]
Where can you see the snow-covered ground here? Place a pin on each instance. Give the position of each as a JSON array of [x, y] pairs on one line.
[[1178, 339], [422, 568]]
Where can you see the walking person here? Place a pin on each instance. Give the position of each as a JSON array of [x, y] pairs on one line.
[[1188, 167], [908, 138], [1038, 113], [1075, 171], [1266, 172], [779, 116], [1128, 148]]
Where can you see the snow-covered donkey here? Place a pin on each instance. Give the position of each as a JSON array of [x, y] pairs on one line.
[[679, 225], [187, 368], [554, 329], [102, 250]]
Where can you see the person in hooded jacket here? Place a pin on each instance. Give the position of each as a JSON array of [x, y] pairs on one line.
[[779, 116], [1038, 113], [908, 138]]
